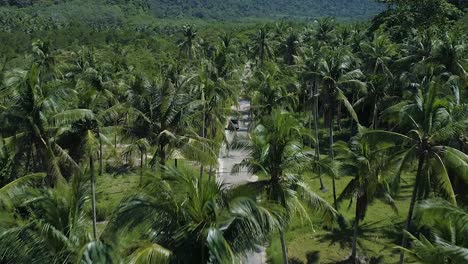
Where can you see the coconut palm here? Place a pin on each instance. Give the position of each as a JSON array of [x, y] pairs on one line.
[[54, 228], [378, 55], [337, 70], [427, 124], [269, 89], [324, 31], [277, 152], [27, 126], [367, 166], [261, 47], [156, 112], [214, 94], [290, 47], [311, 78], [446, 241], [188, 46], [198, 219]]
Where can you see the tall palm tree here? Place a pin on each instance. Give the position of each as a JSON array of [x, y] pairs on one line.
[[269, 89], [277, 152], [337, 70], [156, 111], [427, 124], [198, 219], [188, 46], [324, 31], [261, 47], [290, 47], [378, 56], [311, 78], [215, 96], [367, 166]]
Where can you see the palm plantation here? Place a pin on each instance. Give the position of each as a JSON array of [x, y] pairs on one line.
[[110, 144]]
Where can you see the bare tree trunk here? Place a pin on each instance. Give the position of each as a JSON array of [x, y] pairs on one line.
[[411, 207], [93, 193], [284, 247]]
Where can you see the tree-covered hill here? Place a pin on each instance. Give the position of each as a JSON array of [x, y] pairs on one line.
[[264, 8], [211, 9]]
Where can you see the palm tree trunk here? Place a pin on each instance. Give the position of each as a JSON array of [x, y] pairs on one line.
[[210, 170], [162, 156], [93, 193], [412, 204], [283, 247], [100, 154], [332, 156], [374, 117], [338, 117], [141, 167], [355, 232], [317, 140]]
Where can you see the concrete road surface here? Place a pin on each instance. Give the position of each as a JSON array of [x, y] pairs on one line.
[[227, 159]]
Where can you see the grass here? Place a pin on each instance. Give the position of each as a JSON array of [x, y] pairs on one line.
[[380, 231]]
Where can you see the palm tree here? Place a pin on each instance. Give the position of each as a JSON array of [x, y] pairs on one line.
[[290, 47], [447, 241], [277, 151], [312, 79], [54, 229], [324, 31], [378, 55], [198, 219], [215, 95], [156, 111], [261, 48], [27, 125], [269, 89], [337, 71], [188, 46], [427, 125], [367, 166]]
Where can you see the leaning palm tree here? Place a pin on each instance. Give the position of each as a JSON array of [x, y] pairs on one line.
[[367, 166], [447, 241], [198, 219], [426, 124], [277, 152]]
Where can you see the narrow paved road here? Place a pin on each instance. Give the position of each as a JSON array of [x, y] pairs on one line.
[[227, 159]]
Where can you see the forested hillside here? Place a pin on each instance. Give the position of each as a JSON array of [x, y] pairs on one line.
[[231, 9], [212, 9]]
